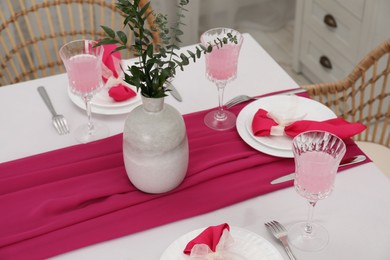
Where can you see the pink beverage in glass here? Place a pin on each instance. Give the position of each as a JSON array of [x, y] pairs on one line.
[[316, 172], [221, 67], [221, 63], [82, 60], [317, 156], [84, 73]]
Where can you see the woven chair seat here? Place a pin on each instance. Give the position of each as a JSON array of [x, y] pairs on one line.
[[378, 153], [363, 96]]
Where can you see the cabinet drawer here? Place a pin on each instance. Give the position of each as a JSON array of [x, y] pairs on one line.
[[344, 35], [313, 49]]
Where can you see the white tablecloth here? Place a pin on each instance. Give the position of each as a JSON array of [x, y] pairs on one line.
[[357, 214]]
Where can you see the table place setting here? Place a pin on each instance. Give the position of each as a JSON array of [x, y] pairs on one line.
[[277, 145], [260, 129], [116, 96], [221, 242]]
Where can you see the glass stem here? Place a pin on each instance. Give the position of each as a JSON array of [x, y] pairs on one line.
[[220, 115], [308, 226], [87, 101]]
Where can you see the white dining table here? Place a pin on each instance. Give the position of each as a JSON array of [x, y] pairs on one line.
[[357, 214]]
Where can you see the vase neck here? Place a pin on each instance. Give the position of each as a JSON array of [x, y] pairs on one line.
[[152, 104]]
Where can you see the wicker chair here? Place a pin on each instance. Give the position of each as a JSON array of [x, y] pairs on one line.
[[364, 96], [31, 33]]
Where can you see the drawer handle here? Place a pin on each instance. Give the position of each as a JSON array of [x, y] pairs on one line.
[[330, 21], [325, 62]]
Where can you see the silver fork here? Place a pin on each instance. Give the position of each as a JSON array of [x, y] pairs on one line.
[[59, 121], [239, 99], [280, 232], [242, 98]]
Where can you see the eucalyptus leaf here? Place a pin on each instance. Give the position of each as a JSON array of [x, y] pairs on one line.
[[108, 31], [120, 48], [149, 51], [184, 59], [192, 55], [122, 36], [143, 9], [107, 41]]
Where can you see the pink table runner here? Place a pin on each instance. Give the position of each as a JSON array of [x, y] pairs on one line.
[[70, 198]]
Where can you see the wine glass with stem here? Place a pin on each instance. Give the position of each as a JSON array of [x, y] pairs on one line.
[[317, 156], [221, 68], [83, 63]]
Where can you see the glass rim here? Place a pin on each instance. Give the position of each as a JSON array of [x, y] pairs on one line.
[[78, 40], [295, 141], [237, 33], [318, 131]]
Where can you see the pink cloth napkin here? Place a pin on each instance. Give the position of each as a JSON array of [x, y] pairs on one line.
[[262, 125], [111, 72], [210, 237], [70, 198]]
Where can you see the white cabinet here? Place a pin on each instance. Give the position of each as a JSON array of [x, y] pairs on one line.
[[332, 36]]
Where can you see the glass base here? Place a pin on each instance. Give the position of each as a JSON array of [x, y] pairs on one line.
[[216, 121], [316, 241], [83, 135]]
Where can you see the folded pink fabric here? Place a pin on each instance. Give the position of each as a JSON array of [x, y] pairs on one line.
[[110, 59], [262, 125], [210, 237], [70, 198], [111, 69], [121, 93]]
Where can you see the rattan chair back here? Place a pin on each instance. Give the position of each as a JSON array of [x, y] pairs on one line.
[[32, 32], [363, 96]]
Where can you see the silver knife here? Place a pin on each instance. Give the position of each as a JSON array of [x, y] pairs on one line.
[[344, 162], [174, 92], [288, 92]]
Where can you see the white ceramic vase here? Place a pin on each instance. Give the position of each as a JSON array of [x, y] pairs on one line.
[[155, 146]]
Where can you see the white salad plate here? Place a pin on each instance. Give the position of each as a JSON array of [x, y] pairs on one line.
[[102, 103], [247, 245], [288, 105]]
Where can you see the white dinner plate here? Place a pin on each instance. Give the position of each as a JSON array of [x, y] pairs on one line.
[[247, 245], [279, 145], [102, 103]]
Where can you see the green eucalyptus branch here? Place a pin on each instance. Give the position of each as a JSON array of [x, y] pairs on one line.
[[156, 64]]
